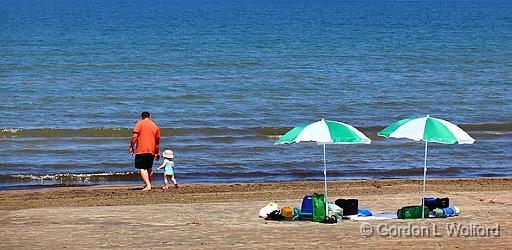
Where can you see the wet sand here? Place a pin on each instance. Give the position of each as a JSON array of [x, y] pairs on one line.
[[226, 216]]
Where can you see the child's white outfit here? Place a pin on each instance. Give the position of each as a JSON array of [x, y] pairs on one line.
[[169, 167]]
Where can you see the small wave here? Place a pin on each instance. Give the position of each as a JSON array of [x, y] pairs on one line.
[[264, 131], [231, 174], [72, 177], [501, 127], [57, 132], [11, 130], [271, 131]]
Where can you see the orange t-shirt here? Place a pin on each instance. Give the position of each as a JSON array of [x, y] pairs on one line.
[[148, 133]]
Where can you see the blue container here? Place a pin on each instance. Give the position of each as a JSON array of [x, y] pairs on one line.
[[307, 204], [448, 212], [430, 203], [444, 212]]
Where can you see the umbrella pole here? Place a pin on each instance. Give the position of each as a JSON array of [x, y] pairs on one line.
[[325, 182], [424, 183]]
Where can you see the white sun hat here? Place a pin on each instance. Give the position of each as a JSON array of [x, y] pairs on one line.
[[168, 153]]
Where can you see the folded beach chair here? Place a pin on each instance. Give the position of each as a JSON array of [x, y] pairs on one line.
[[306, 209]]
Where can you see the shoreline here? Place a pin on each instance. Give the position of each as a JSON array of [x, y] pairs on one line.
[[112, 195], [157, 182]]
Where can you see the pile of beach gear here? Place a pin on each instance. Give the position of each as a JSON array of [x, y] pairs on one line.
[[313, 209], [432, 208]]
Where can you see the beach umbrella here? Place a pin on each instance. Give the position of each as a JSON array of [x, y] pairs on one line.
[[427, 129], [324, 132]]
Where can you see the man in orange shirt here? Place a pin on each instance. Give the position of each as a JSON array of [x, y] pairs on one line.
[[146, 135]]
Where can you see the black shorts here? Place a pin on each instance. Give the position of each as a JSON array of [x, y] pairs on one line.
[[144, 161]]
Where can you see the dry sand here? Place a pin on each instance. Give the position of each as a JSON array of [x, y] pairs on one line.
[[226, 216]]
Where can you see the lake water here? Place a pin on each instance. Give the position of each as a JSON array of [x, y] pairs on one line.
[[224, 78]]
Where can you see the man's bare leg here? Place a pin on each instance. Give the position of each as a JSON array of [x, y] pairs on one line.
[[150, 175], [144, 174]]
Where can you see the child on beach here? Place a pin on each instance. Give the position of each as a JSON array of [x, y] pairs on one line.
[[168, 166]]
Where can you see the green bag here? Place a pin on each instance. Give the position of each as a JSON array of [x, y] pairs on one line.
[[412, 212], [318, 207]]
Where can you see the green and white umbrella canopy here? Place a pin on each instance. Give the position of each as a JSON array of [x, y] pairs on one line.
[[427, 129], [324, 132]]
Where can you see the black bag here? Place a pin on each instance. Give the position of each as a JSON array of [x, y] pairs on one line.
[[349, 206], [275, 215], [442, 202]]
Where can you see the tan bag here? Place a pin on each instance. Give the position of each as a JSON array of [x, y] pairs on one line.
[[287, 212]]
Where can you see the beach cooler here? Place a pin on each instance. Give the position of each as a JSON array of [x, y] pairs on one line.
[[430, 203]]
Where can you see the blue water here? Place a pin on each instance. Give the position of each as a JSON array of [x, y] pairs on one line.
[[224, 78]]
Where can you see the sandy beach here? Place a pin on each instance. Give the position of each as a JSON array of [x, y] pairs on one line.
[[226, 216]]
